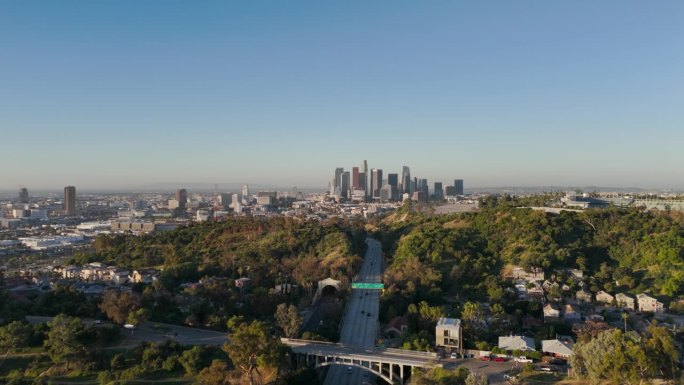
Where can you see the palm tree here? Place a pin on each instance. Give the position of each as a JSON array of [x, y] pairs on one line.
[[624, 318]]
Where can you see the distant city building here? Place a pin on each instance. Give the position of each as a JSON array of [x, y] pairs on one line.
[[450, 191], [245, 194], [393, 180], [458, 184], [419, 196], [23, 195], [424, 187], [70, 200], [364, 180], [386, 192], [225, 199], [356, 183], [439, 192], [267, 198], [345, 188], [39, 214], [376, 182], [406, 180], [182, 198], [338, 177]]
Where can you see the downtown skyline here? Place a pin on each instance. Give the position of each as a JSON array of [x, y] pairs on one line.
[[128, 95]]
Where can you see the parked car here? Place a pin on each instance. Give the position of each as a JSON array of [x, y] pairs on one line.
[[499, 359], [485, 358], [522, 359], [454, 355]]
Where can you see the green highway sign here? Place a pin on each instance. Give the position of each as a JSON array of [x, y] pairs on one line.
[[362, 285]]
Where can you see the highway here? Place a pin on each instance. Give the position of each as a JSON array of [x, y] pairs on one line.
[[360, 320]]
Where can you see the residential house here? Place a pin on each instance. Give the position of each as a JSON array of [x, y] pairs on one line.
[[648, 303], [570, 315], [521, 289], [624, 301], [557, 348], [449, 333], [551, 314], [397, 326], [534, 274], [144, 276], [535, 292], [583, 296], [521, 343], [119, 277], [603, 297]]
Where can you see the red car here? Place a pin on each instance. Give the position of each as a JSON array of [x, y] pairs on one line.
[[485, 358], [499, 359]]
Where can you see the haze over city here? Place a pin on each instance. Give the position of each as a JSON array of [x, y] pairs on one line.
[[130, 94]]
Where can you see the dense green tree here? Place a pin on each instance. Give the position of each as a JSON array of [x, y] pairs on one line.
[[251, 348], [119, 306], [628, 358], [288, 320], [195, 359], [65, 340], [14, 335], [218, 373]]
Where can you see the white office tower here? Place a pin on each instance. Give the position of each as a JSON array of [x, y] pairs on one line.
[[245, 194]]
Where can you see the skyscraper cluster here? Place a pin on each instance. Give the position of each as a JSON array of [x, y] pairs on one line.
[[363, 184]]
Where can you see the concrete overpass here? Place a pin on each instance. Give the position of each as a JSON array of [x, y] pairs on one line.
[[392, 365]]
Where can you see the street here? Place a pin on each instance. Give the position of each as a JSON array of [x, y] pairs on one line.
[[360, 320]]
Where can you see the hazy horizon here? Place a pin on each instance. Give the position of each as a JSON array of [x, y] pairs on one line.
[[119, 95]]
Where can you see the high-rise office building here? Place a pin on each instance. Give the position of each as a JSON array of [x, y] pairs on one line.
[[406, 180], [375, 182], [458, 183], [393, 181], [345, 185], [362, 181], [182, 198], [225, 199], [338, 175], [245, 195], [439, 192], [386, 193], [366, 174], [356, 183], [70, 200], [424, 187], [23, 195]]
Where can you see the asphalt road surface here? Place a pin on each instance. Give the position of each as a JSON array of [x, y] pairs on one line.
[[360, 320]]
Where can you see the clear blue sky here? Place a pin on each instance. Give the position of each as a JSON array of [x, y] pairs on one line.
[[125, 93]]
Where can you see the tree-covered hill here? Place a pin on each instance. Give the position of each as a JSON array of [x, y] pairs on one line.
[[464, 254], [269, 251]]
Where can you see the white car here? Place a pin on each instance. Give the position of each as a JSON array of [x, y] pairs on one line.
[[522, 359]]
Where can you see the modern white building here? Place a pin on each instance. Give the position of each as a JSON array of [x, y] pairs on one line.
[[449, 333], [648, 303]]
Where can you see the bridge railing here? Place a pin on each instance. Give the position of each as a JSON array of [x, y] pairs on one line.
[[295, 341], [410, 352]]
